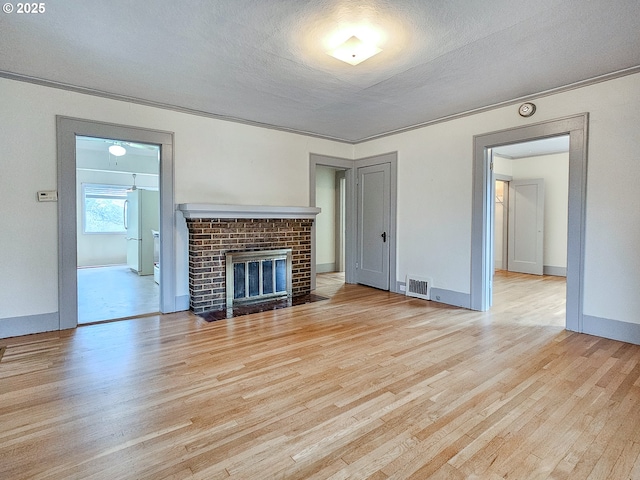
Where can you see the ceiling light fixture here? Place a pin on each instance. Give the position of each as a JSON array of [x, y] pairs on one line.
[[354, 51], [117, 150]]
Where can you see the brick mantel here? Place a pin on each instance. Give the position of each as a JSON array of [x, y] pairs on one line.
[[215, 230]]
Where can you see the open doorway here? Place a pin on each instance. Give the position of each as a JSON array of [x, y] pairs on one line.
[[355, 241], [531, 190], [482, 207], [334, 178], [118, 223], [330, 226], [68, 129]]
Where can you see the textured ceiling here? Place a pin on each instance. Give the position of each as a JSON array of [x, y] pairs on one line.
[[265, 61]]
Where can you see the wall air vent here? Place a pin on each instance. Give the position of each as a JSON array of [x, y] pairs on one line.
[[418, 287]]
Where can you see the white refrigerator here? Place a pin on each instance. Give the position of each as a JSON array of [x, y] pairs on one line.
[[142, 216]]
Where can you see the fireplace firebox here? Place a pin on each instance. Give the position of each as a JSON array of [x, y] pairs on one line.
[[258, 276]]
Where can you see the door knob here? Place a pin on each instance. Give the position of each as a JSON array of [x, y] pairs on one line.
[[384, 236]]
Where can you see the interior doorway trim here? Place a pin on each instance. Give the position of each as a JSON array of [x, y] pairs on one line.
[[577, 128], [505, 179], [348, 166], [340, 220], [67, 130]]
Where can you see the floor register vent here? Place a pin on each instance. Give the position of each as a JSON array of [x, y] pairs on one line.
[[418, 287]]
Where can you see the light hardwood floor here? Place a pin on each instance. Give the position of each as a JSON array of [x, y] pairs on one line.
[[367, 384]]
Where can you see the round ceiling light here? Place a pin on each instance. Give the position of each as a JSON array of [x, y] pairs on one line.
[[117, 150]]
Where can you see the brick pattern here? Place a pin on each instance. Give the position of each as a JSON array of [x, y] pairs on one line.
[[211, 239]]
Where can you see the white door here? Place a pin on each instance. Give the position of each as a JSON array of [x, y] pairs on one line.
[[374, 214], [526, 226]]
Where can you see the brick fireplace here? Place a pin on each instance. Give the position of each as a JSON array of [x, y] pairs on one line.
[[215, 230]]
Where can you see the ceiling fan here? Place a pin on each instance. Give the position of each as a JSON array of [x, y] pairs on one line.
[[133, 187]]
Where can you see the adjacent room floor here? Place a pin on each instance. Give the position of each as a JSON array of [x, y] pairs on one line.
[[516, 294], [112, 292]]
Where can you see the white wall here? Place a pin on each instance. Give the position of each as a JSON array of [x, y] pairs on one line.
[[326, 219], [554, 169], [215, 161], [435, 165]]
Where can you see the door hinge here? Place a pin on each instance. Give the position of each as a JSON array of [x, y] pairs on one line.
[[491, 166], [356, 264]]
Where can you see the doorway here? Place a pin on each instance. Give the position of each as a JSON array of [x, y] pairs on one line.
[[118, 229], [68, 130], [530, 224], [331, 188], [482, 208], [531, 205], [500, 223], [330, 222], [330, 228], [350, 169], [374, 218]]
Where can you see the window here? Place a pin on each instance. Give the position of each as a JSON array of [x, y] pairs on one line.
[[103, 208]]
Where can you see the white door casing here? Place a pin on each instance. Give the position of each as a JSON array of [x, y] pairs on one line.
[[67, 130], [350, 168], [481, 270], [373, 186], [526, 226]]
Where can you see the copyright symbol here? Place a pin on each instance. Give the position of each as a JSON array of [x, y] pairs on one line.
[[7, 8]]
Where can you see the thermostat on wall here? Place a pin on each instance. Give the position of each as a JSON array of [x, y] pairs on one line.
[[48, 196]]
